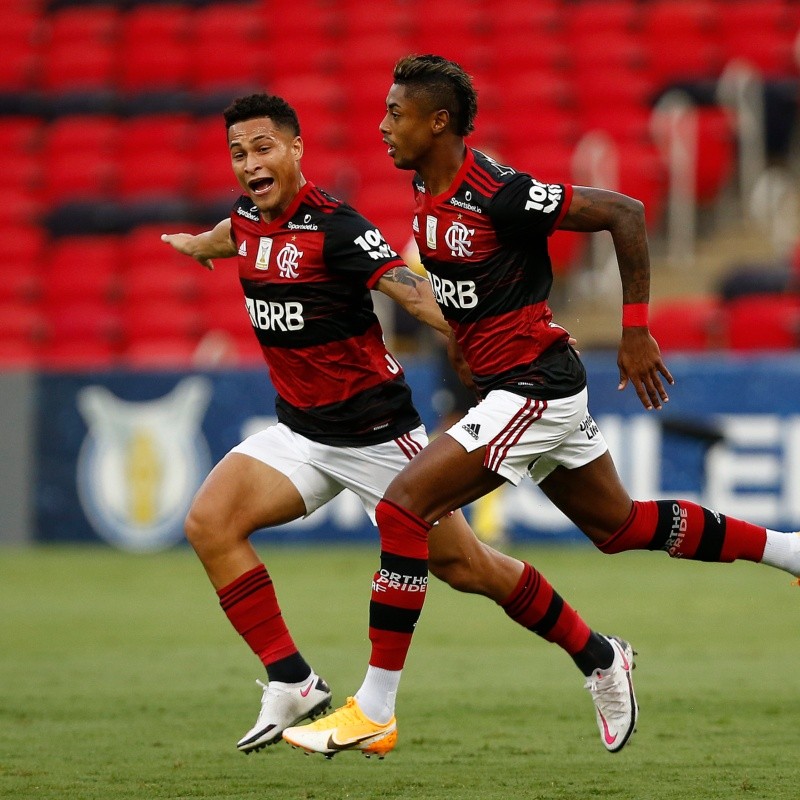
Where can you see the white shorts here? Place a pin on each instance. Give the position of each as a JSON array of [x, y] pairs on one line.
[[524, 436], [321, 471]]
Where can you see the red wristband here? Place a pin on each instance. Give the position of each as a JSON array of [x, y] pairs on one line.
[[634, 315]]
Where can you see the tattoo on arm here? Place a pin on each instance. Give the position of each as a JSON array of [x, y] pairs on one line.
[[403, 275]]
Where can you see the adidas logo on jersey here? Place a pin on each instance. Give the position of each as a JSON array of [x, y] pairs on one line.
[[473, 429], [243, 248]]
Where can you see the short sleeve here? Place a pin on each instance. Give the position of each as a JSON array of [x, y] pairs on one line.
[[527, 208], [356, 247]]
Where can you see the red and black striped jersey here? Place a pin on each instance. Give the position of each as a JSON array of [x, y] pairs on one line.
[[307, 277], [483, 243]]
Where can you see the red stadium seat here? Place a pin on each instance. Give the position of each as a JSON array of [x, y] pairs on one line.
[[142, 247], [79, 66], [160, 353], [82, 268], [546, 126], [549, 161], [80, 50], [81, 23], [214, 70], [20, 134], [457, 30], [78, 354], [227, 44], [689, 16], [212, 175], [154, 155], [689, 324], [763, 322], [78, 322], [18, 24], [161, 319], [82, 175], [716, 152], [535, 90], [536, 21], [761, 34], [145, 283], [616, 100], [600, 18], [681, 39], [166, 61], [382, 203], [616, 48], [16, 355], [229, 23], [530, 51], [321, 55], [642, 175], [19, 172], [623, 123], [70, 132], [372, 51], [23, 253], [19, 66], [566, 248], [22, 322], [82, 152], [18, 206], [225, 310]]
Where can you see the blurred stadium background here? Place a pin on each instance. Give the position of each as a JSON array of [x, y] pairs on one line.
[[110, 134]]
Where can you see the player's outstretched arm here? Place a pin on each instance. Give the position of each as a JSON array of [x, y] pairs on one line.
[[203, 247], [639, 358]]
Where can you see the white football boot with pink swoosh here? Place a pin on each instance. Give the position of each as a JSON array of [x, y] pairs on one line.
[[284, 705], [614, 698]]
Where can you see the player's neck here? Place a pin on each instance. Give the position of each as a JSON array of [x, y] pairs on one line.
[[443, 166]]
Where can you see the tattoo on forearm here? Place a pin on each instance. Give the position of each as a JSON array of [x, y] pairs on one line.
[[403, 275]]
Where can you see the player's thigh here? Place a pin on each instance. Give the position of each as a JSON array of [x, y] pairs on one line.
[[442, 478], [592, 496], [242, 494], [368, 470]]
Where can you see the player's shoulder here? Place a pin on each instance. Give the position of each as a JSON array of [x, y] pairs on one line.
[[321, 200], [490, 171], [328, 211], [245, 208]]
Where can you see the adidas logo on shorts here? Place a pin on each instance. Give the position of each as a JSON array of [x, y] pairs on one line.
[[473, 429]]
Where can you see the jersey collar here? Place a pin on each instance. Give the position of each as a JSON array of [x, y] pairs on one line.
[[291, 209], [469, 160]]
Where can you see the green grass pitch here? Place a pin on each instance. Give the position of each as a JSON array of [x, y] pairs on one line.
[[120, 678]]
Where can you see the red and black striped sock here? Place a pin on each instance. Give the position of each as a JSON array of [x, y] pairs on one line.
[[687, 530], [537, 606], [399, 586], [252, 607]]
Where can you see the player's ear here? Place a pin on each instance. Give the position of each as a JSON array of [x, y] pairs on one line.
[[297, 148], [441, 119]]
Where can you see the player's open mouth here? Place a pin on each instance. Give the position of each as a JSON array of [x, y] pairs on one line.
[[391, 149], [261, 185]]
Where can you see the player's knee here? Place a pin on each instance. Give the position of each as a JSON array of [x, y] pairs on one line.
[[196, 527], [204, 530]]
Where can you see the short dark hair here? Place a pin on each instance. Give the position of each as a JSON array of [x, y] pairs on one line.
[[262, 105], [446, 85]]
